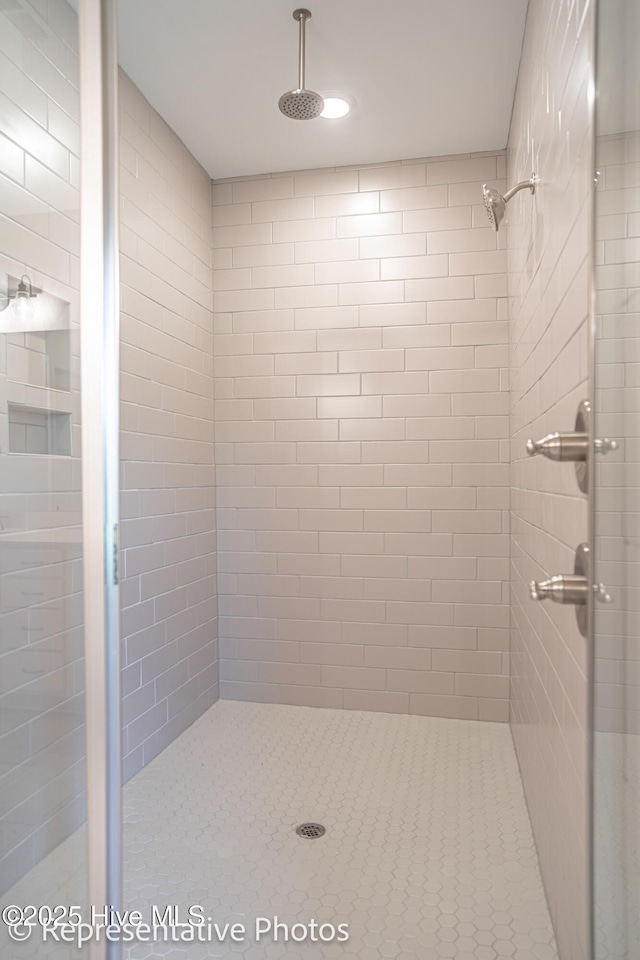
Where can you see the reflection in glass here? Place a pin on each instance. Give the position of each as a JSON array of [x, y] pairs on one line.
[[42, 714]]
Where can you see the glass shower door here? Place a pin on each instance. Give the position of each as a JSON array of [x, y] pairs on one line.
[[42, 709], [49, 577], [616, 532]]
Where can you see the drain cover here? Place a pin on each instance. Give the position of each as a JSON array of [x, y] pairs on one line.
[[310, 831]]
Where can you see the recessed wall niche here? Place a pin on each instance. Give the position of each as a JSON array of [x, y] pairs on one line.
[[39, 432]]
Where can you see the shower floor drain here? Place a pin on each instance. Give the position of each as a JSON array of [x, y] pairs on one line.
[[310, 831]]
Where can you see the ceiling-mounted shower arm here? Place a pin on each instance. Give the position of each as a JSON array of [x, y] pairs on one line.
[[301, 104], [524, 185], [302, 15]]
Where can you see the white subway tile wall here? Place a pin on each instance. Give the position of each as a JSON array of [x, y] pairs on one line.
[[549, 241], [168, 589], [362, 439]]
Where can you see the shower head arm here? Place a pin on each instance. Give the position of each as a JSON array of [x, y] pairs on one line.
[[524, 185], [302, 15], [301, 104]]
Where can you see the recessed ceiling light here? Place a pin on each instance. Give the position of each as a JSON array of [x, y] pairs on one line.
[[334, 108]]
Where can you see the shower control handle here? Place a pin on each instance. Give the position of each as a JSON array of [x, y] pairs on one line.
[[572, 446], [561, 446], [572, 588], [561, 589]]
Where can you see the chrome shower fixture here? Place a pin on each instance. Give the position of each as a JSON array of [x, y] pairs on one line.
[[496, 204], [301, 104]]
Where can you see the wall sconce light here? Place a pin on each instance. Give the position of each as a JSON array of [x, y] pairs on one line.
[[22, 300]]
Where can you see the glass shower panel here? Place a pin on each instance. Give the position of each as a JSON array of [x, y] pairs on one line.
[[42, 708], [617, 485]]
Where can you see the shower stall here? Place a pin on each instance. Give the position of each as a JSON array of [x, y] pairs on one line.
[[292, 462]]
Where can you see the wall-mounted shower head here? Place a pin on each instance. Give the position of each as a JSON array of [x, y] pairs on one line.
[[496, 204], [301, 104]]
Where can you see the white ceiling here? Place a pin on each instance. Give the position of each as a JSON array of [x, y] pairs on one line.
[[430, 77]]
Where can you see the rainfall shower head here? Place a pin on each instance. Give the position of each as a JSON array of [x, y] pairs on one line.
[[301, 104], [496, 204]]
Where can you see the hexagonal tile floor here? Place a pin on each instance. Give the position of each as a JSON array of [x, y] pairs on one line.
[[428, 852]]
